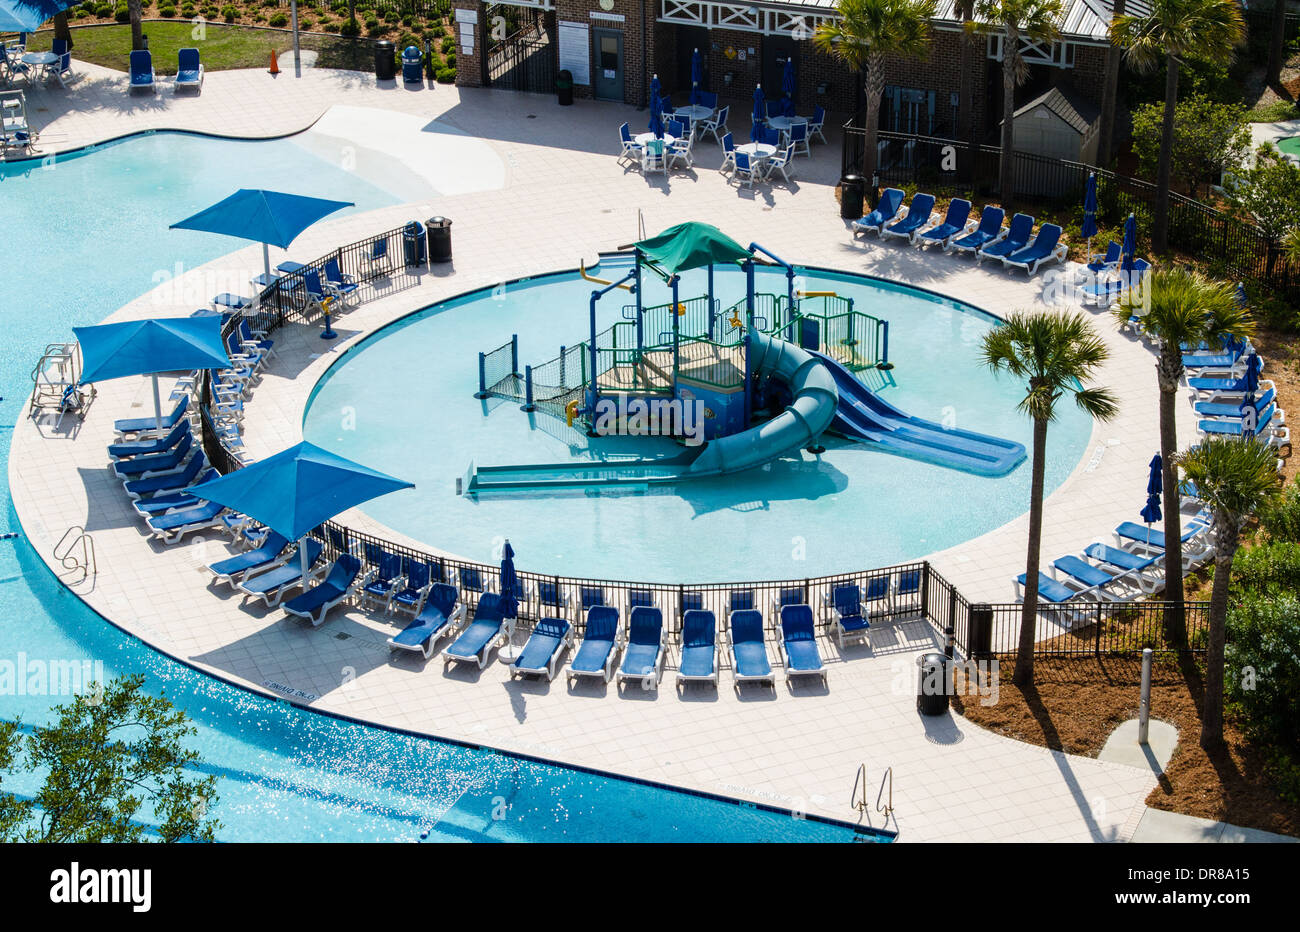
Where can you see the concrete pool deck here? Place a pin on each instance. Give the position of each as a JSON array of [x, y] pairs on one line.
[[565, 199]]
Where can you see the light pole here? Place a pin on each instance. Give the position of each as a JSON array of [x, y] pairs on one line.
[[297, 52]]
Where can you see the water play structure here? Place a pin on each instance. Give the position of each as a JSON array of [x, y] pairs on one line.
[[741, 386]]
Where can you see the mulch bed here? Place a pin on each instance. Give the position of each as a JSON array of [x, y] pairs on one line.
[[1077, 702]]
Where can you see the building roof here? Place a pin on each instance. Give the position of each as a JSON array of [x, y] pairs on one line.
[[1067, 104]]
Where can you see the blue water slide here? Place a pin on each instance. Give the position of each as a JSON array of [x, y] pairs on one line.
[[809, 414], [864, 415]]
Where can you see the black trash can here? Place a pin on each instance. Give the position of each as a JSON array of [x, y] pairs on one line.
[[412, 65], [564, 88], [979, 633], [385, 60], [413, 244], [851, 190], [933, 683], [439, 239]]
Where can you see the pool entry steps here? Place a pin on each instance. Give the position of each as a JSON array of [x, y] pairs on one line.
[[711, 377]]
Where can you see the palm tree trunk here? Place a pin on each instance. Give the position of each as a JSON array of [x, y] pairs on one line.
[[1276, 43], [135, 8], [1109, 93], [1160, 220], [1212, 713], [875, 88], [965, 129], [61, 29], [1006, 174], [1024, 675], [1168, 371]]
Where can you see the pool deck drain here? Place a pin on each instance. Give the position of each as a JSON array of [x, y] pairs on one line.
[[793, 744]]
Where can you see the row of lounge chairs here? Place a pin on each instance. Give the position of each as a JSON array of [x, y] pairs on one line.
[[189, 71], [1016, 245]]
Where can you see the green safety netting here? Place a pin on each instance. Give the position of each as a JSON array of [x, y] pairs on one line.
[[691, 245]]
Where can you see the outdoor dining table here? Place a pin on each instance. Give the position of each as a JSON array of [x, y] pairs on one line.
[[758, 151], [694, 113], [41, 60], [783, 123], [642, 138]]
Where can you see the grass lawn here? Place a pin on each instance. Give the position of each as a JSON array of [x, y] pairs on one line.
[[222, 48]]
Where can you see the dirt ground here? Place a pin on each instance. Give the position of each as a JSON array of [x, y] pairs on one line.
[[1077, 702], [1281, 354]]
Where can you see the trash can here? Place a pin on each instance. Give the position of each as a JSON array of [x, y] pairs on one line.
[[412, 65], [385, 60], [564, 88], [439, 239], [413, 244], [933, 683], [851, 190], [979, 633]]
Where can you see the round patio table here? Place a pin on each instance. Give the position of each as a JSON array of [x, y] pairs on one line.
[[642, 138], [41, 60], [783, 123]]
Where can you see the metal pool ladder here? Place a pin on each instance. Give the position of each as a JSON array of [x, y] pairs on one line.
[[75, 551], [886, 781], [858, 796]]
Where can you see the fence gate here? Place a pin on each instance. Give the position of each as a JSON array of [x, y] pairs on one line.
[[521, 49]]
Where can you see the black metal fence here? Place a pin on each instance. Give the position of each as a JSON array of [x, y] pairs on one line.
[[1234, 243]]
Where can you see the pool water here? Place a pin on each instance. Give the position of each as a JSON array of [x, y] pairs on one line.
[[1290, 145], [87, 237], [852, 508]]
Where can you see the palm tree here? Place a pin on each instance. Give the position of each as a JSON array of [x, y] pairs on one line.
[[866, 32], [1178, 307], [1173, 32], [136, 9], [1014, 20], [966, 86], [1056, 353], [1234, 478], [1276, 43], [1109, 94], [61, 28]]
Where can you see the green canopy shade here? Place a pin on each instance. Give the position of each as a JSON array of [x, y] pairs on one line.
[[691, 245]]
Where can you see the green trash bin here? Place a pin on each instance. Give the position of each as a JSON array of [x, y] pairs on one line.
[[564, 88]]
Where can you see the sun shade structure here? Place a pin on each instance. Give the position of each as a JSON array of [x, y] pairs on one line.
[[267, 217], [691, 245], [148, 347], [30, 15]]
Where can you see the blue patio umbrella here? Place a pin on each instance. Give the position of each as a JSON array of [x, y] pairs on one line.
[[267, 217], [788, 86], [1088, 229], [1130, 241], [656, 122], [1252, 386], [760, 105], [30, 15], [298, 489], [1155, 486], [148, 347], [697, 77], [509, 588]]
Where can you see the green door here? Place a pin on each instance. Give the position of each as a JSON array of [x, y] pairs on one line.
[[607, 80]]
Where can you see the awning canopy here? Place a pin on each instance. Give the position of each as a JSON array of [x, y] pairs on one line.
[[692, 245]]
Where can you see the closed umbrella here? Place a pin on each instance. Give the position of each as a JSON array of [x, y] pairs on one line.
[[1130, 241], [1248, 423], [1088, 229], [697, 77], [298, 489], [760, 105], [148, 347], [788, 86], [271, 218], [656, 114], [1155, 486], [509, 586]]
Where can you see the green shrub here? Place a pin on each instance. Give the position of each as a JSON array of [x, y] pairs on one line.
[[122, 13], [445, 76], [1276, 112], [230, 13], [447, 45], [167, 12], [105, 10], [1281, 519], [392, 16], [278, 20], [1267, 569], [372, 22], [188, 10], [408, 20], [349, 28], [417, 28], [1262, 679], [451, 62]]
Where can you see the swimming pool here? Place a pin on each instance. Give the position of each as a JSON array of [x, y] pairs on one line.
[[1290, 145], [284, 773], [851, 508]]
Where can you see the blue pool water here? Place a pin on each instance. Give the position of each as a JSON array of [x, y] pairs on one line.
[[852, 508], [93, 235]]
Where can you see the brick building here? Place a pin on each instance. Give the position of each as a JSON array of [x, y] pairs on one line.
[[613, 47]]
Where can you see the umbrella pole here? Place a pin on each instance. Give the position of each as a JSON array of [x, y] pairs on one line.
[[157, 404], [302, 560], [266, 260]]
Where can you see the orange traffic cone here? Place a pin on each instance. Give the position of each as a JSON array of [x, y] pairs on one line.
[[275, 65]]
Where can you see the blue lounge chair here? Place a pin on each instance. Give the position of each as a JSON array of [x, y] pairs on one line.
[[1269, 427], [1215, 388], [692, 601], [130, 448], [1144, 571], [142, 71], [918, 215], [890, 201], [1107, 292], [1232, 409], [954, 222], [699, 663], [171, 527], [383, 581], [1099, 264], [909, 584], [167, 482], [442, 614], [142, 467], [270, 553], [189, 70], [990, 230], [471, 580], [172, 501], [314, 604], [1231, 354], [799, 653], [589, 596], [477, 641], [637, 597], [745, 644], [1049, 589], [1148, 540], [255, 339], [378, 255], [643, 656], [274, 584], [151, 425], [415, 589], [877, 591], [545, 645], [1018, 233], [1046, 247], [851, 621], [341, 285], [599, 647], [793, 595], [1093, 579]]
